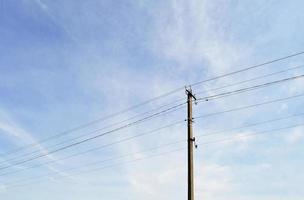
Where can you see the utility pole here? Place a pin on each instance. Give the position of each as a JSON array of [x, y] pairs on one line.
[[191, 144]]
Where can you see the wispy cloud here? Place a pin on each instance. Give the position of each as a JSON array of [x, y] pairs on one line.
[[19, 137], [188, 32], [46, 9], [295, 136], [2, 188], [129, 52]]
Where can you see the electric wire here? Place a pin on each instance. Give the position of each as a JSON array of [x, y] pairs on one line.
[[56, 136], [250, 125], [153, 131], [248, 68], [252, 134], [92, 138], [225, 94], [97, 148], [87, 134], [174, 150], [249, 106], [238, 91], [253, 79], [231, 93], [105, 167], [149, 101]]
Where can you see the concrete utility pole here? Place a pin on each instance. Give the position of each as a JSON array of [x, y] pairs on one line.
[[191, 143]]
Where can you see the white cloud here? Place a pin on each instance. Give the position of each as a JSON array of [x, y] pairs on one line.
[[296, 86], [188, 32], [10, 128], [144, 183], [213, 179], [295, 136], [158, 177], [42, 4], [48, 11], [2, 188], [15, 131]]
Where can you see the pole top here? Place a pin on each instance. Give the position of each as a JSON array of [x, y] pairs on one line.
[[189, 92]]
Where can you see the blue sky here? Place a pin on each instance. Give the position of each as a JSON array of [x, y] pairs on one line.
[[65, 63]]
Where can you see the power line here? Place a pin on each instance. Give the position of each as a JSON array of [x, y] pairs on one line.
[[252, 134], [238, 91], [98, 147], [211, 114], [153, 131], [253, 79], [249, 80], [205, 98], [245, 126], [202, 116], [59, 135], [224, 94], [87, 134], [249, 106], [108, 166], [223, 140], [248, 68], [164, 153], [85, 125], [94, 137], [250, 125], [119, 157], [82, 126], [221, 95]]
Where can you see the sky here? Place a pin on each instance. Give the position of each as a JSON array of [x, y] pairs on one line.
[[67, 63]]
